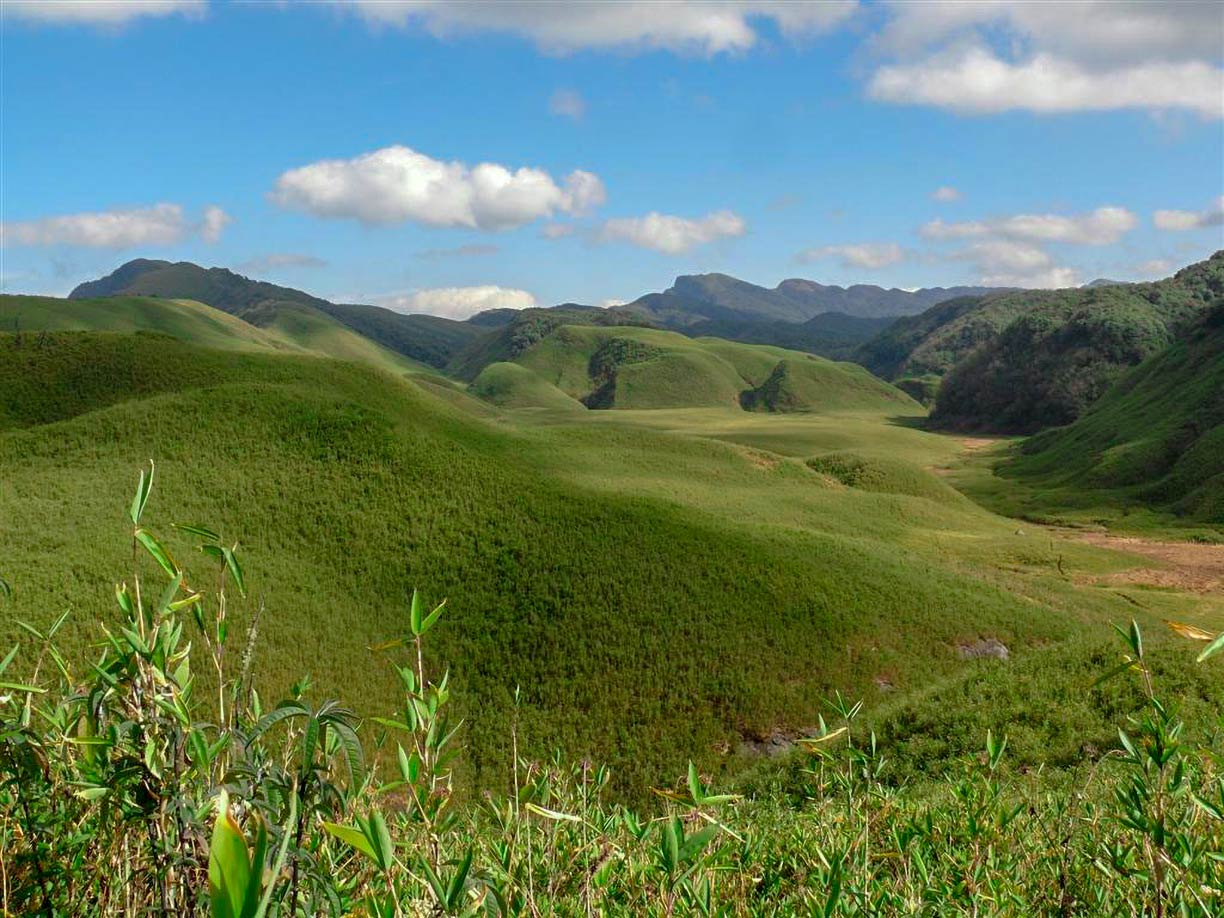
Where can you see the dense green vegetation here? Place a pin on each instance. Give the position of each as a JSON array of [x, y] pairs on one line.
[[1023, 361], [1155, 440], [121, 795]]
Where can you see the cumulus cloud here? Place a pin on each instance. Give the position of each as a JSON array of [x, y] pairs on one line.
[[871, 255], [278, 260], [161, 224], [976, 81], [99, 12], [698, 26], [457, 302], [1007, 263], [213, 224], [567, 103], [398, 184], [1179, 220], [1103, 226], [474, 250], [946, 194], [673, 235], [1002, 55]]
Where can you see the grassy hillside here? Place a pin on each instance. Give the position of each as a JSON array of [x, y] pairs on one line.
[[1154, 440], [184, 319], [509, 385], [731, 589], [424, 339], [315, 331], [628, 367]]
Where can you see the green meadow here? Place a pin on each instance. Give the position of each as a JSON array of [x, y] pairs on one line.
[[657, 585]]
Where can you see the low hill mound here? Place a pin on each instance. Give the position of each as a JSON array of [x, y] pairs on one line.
[[509, 385], [606, 367]]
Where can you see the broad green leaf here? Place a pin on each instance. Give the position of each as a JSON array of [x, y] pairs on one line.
[[414, 613], [159, 553], [1212, 648], [433, 617], [229, 865], [202, 531], [553, 814], [353, 837], [235, 569]]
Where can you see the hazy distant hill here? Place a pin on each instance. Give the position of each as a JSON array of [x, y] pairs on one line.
[[428, 339]]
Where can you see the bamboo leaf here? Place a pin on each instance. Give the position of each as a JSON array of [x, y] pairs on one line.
[[1211, 648], [159, 553]]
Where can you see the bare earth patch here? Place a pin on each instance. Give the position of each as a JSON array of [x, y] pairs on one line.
[[1192, 566]]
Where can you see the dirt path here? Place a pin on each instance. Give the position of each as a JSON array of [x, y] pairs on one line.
[[1194, 567]]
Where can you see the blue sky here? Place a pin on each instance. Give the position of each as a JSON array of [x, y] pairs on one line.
[[337, 147]]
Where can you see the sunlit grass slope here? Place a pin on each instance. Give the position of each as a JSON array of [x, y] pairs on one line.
[[315, 331], [187, 320], [270, 326], [656, 595]]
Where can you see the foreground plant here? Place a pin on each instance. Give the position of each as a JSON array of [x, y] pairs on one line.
[[125, 791]]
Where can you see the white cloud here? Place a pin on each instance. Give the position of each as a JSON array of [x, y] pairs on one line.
[[161, 224], [457, 302], [1178, 220], [871, 255], [946, 194], [1103, 226], [214, 223], [567, 103], [1006, 263], [975, 81], [698, 26], [99, 12], [984, 56], [396, 184], [673, 235], [610, 302], [278, 260]]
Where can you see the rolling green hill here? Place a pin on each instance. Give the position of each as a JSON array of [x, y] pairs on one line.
[[269, 325], [423, 339], [731, 586], [1155, 439], [623, 367], [184, 319]]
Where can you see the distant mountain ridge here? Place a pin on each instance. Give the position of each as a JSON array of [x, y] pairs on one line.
[[694, 298]]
